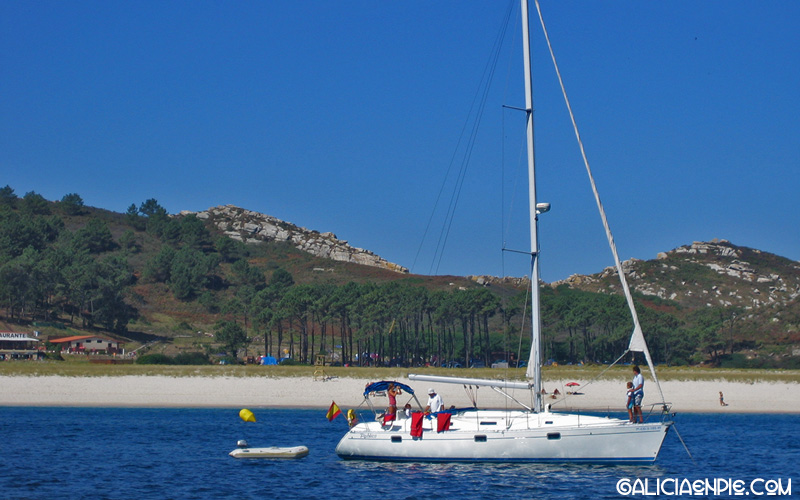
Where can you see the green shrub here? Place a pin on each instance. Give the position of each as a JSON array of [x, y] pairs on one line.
[[679, 362], [191, 358], [737, 360], [792, 363], [184, 326], [154, 359]]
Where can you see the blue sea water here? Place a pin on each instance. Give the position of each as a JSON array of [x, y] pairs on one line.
[[154, 453]]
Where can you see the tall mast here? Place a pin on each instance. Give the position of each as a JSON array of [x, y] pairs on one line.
[[534, 361]]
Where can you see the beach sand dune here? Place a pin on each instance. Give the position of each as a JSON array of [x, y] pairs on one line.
[[305, 392]]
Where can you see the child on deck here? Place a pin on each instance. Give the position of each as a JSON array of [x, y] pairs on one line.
[[629, 403]]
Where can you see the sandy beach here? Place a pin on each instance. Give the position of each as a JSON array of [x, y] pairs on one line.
[[305, 392]]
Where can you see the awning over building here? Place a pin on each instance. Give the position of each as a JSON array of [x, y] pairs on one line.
[[16, 337]]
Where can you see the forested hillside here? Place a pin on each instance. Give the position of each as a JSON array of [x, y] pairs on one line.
[[178, 284]]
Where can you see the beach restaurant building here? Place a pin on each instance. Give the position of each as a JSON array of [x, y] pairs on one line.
[[85, 344], [14, 345]]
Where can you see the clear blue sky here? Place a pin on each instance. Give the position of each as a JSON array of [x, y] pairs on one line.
[[343, 117]]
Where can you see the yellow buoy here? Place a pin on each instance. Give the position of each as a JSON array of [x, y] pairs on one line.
[[247, 415]]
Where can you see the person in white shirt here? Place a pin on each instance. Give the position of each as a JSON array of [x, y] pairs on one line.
[[638, 393], [435, 403]]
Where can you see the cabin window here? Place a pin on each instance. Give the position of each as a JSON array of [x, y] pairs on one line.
[[488, 423], [397, 439], [480, 438], [548, 421], [553, 435]]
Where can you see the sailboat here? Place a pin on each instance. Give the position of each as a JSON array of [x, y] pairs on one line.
[[532, 433]]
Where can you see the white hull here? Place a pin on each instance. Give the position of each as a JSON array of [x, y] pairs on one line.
[[270, 452], [509, 436]]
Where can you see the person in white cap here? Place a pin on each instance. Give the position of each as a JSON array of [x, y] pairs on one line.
[[435, 403]]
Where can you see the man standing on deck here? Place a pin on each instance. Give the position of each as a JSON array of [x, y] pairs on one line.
[[638, 393], [435, 403]]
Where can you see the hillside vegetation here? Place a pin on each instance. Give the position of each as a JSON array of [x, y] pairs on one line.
[[181, 284]]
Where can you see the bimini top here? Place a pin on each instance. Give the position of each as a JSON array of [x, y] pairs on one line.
[[384, 385]]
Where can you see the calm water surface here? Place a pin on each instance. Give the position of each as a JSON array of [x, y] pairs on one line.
[[113, 453]]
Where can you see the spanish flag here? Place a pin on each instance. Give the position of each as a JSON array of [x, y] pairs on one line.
[[333, 411]]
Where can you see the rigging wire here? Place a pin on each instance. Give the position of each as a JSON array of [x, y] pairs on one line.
[[468, 140], [524, 320], [637, 338], [587, 384], [506, 229], [489, 72], [675, 428]]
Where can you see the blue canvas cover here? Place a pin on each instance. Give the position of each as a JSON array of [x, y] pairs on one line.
[[384, 385]]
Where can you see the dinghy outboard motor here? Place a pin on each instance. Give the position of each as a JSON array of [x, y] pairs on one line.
[[241, 443]]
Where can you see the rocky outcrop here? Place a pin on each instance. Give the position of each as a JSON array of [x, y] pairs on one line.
[[507, 280], [734, 276], [253, 227]]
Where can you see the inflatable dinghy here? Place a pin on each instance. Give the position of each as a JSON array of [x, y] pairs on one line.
[[244, 451]]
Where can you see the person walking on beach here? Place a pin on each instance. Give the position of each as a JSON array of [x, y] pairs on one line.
[[638, 393], [722, 400]]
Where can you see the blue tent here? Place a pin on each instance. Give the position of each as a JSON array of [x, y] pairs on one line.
[[269, 360]]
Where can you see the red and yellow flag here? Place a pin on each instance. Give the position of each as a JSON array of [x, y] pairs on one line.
[[333, 411]]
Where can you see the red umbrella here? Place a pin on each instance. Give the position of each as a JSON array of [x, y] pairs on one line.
[[572, 384]]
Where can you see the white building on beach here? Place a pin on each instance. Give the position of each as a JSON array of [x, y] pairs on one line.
[[16, 345]]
